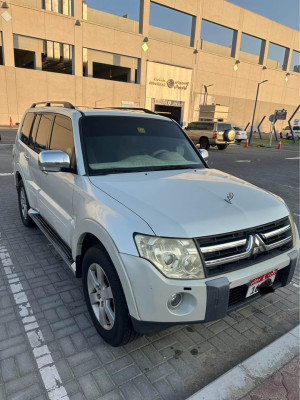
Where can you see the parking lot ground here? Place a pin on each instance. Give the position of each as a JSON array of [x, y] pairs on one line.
[[7, 135], [174, 363]]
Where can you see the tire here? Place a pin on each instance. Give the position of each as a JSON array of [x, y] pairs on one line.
[[204, 143], [24, 206], [105, 298], [238, 140], [222, 146], [229, 135]]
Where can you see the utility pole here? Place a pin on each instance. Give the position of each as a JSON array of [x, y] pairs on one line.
[[251, 131]]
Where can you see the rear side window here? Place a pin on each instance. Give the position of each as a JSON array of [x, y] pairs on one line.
[[62, 137], [205, 126], [26, 128], [42, 137], [192, 125], [296, 128]]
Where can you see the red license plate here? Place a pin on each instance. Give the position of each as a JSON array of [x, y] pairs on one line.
[[257, 282]]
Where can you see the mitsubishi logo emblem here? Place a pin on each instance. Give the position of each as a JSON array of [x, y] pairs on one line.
[[230, 196], [256, 245]]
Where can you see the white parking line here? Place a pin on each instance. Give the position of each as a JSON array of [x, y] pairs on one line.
[[41, 352], [6, 173], [243, 161], [292, 158]]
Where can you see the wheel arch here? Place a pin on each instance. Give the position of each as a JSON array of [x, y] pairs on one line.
[[91, 234], [18, 178]]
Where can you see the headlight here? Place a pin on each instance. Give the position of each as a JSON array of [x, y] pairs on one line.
[[174, 258], [293, 229]]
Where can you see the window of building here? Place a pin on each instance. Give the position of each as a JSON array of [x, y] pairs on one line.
[[250, 48], [26, 127], [62, 137], [171, 20], [295, 63], [59, 6], [110, 72], [110, 66], [24, 59], [1, 50], [42, 137], [276, 56], [57, 57], [126, 9], [216, 38]]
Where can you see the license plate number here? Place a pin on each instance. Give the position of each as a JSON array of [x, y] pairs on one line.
[[255, 284]]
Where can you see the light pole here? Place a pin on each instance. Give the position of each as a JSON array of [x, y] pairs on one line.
[[206, 93], [251, 131]]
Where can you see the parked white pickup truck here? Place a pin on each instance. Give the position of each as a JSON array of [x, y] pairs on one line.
[[287, 134], [157, 237]]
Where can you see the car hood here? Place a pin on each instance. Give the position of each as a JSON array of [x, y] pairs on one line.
[[191, 203]]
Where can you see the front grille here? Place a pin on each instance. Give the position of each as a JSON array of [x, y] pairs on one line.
[[237, 294], [235, 250]]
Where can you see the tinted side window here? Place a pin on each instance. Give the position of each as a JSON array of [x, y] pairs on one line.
[[26, 128], [192, 125], [34, 131], [205, 126], [62, 137], [41, 141]]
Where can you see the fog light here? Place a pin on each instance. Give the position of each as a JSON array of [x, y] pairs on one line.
[[175, 300]]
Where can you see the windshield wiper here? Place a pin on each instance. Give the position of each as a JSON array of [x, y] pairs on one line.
[[118, 171], [174, 167], [144, 169]]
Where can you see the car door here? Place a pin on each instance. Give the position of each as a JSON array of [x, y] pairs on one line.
[[27, 157], [56, 194]]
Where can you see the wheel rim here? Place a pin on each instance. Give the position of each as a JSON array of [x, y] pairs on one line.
[[23, 203], [101, 297]]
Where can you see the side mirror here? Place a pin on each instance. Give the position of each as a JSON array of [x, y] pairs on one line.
[[204, 154], [53, 160]]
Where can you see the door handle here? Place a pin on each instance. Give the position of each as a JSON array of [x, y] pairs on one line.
[[26, 156]]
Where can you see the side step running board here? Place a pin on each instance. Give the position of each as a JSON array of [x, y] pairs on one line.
[[62, 249]]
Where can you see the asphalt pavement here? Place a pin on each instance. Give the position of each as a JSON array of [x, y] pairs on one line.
[[173, 364]]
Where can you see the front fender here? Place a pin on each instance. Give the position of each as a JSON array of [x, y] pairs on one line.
[[89, 226]]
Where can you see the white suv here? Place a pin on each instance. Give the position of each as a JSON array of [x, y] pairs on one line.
[[157, 237]]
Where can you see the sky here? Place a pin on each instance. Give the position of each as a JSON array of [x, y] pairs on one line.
[[284, 11]]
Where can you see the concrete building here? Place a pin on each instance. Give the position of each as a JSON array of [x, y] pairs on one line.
[[63, 50]]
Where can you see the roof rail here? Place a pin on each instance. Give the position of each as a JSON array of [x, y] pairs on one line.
[[145, 110], [65, 104]]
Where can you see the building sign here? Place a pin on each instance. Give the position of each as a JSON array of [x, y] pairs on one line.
[[170, 83], [169, 86]]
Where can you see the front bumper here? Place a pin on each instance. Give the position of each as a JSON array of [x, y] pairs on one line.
[[204, 300]]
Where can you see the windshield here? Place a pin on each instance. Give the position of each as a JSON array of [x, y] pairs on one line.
[[131, 144]]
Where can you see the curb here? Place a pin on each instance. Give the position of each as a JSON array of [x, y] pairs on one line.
[[243, 378]]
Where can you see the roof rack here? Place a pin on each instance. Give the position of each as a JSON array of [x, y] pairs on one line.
[[65, 104], [145, 110]]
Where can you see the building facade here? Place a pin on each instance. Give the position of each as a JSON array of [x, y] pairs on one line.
[[63, 50]]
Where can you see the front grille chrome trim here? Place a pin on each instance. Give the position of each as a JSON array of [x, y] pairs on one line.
[[276, 232], [277, 244], [224, 246], [236, 257]]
